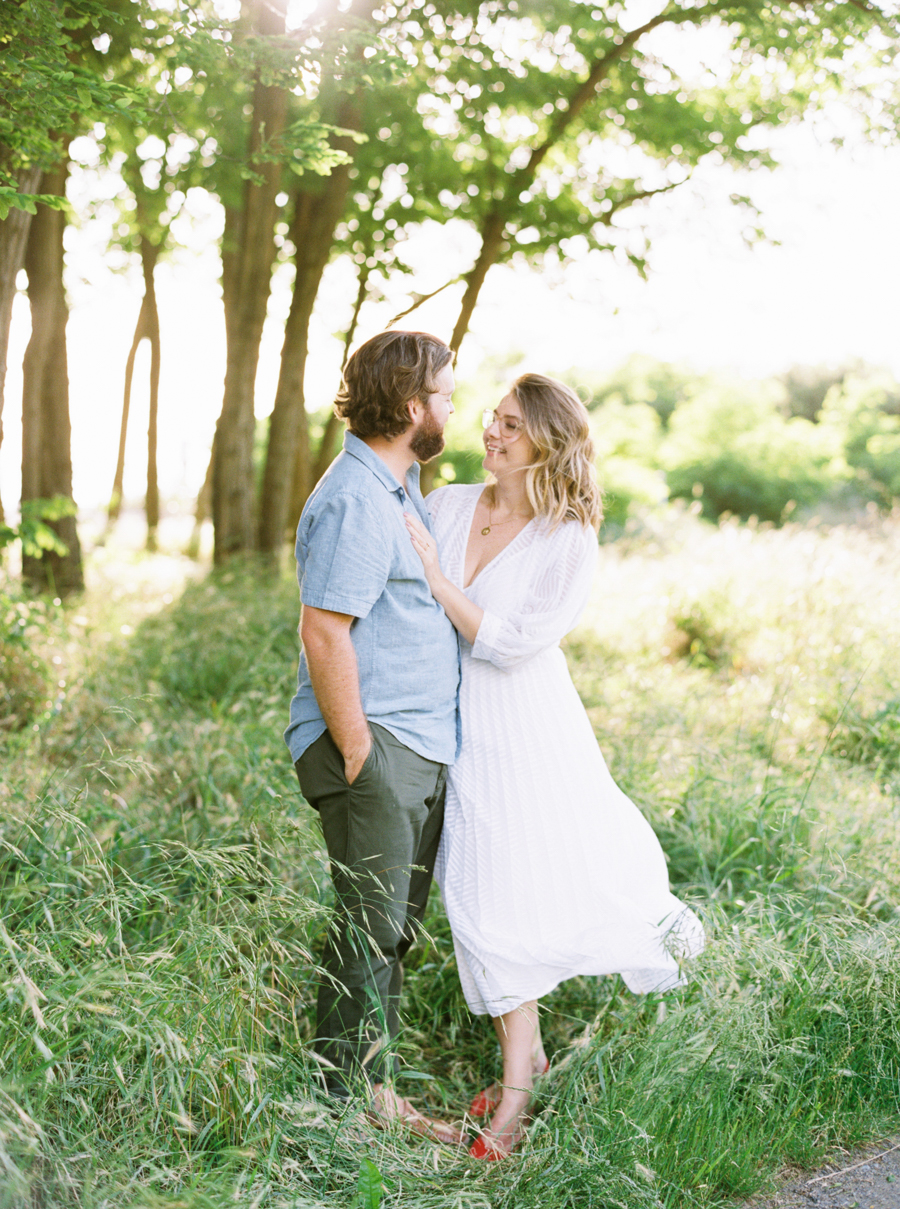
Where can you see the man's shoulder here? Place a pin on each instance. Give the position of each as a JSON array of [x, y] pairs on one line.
[[348, 510], [346, 477]]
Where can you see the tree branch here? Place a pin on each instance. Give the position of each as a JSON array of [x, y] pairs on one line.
[[420, 298], [586, 90], [638, 195]]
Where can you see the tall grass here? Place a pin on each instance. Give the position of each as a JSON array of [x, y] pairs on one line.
[[165, 893]]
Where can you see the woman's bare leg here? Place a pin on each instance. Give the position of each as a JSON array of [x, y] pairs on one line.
[[519, 1034], [491, 1095]]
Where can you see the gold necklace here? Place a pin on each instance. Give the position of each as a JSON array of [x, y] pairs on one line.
[[491, 522], [486, 530]]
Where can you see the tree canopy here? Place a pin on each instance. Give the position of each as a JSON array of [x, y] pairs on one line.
[[539, 125]]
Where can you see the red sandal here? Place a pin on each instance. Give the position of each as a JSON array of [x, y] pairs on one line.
[[492, 1147], [487, 1101], [482, 1149]]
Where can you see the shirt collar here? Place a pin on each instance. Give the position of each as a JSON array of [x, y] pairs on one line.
[[361, 451]]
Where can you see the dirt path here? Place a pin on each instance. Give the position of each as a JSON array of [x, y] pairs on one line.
[[868, 1178]]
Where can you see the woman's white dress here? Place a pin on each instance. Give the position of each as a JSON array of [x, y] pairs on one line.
[[546, 868]]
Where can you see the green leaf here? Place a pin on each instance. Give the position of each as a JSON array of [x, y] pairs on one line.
[[38, 538], [53, 509], [49, 199], [368, 1186]]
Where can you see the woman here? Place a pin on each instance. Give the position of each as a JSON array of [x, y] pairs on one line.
[[547, 869]]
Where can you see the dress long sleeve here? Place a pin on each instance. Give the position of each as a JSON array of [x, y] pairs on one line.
[[550, 602]]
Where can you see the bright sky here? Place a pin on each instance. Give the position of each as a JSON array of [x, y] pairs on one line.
[[826, 294]]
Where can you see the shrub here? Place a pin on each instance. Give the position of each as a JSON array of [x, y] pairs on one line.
[[25, 676], [639, 380], [626, 436], [700, 632], [805, 388], [733, 448], [24, 683], [860, 413], [871, 738], [459, 465]]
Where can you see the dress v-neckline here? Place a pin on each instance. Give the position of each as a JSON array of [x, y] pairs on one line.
[[491, 561]]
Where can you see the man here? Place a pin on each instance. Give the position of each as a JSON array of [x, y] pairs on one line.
[[374, 721]]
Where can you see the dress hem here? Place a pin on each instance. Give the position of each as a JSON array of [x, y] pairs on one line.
[[673, 980]]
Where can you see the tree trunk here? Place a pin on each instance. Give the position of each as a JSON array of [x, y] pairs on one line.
[[288, 468], [146, 328], [230, 268], [115, 500], [492, 231], [306, 471], [328, 444], [247, 271], [491, 247], [203, 509], [288, 474], [13, 238], [149, 256], [46, 429]]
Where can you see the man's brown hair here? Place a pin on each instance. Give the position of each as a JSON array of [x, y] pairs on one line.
[[382, 376]]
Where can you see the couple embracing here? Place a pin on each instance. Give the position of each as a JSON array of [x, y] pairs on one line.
[[436, 730]]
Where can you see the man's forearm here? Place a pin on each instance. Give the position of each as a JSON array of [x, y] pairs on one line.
[[333, 671]]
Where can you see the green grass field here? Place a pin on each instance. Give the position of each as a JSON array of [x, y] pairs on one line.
[[165, 890]]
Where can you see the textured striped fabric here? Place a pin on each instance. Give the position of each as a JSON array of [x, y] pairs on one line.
[[547, 869]]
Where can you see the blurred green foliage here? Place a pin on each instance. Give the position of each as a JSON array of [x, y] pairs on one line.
[[33, 530], [731, 447], [863, 412], [25, 675], [24, 672], [871, 737]]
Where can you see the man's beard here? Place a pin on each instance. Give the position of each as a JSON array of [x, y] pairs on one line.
[[428, 440]]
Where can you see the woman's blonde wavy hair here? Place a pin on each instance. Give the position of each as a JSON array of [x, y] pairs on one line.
[[561, 483]]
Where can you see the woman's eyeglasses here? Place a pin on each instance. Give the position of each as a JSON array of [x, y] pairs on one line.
[[510, 428]]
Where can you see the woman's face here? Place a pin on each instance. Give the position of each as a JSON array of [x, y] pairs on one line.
[[507, 445]]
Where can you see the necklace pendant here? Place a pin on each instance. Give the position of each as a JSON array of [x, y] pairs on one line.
[[485, 531]]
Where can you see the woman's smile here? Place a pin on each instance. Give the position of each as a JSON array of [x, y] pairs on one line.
[[516, 450]]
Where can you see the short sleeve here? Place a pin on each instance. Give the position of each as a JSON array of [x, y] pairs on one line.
[[347, 561], [550, 602]]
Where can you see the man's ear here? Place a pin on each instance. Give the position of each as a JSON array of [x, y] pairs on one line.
[[416, 409]]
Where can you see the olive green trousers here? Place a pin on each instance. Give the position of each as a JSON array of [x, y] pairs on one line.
[[382, 834]]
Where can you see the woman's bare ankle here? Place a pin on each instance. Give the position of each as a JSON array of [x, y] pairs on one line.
[[539, 1063], [513, 1102], [508, 1123]]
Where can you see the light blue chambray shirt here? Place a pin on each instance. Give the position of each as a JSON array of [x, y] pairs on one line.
[[354, 556]]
